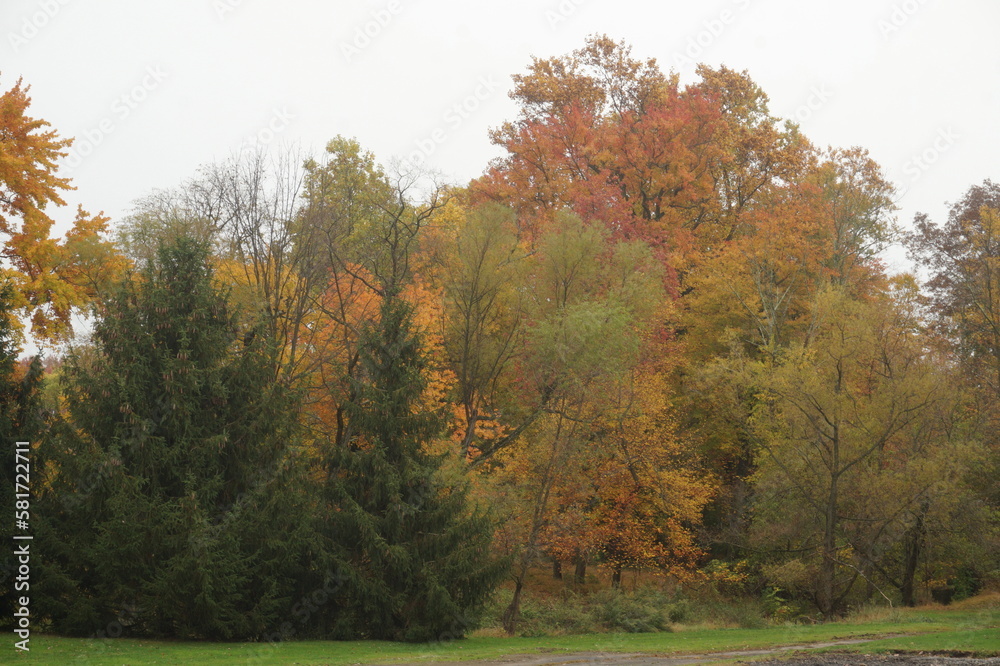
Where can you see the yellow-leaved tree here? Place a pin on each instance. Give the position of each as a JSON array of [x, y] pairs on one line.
[[50, 276]]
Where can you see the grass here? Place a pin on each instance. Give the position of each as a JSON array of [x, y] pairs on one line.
[[967, 627], [971, 629]]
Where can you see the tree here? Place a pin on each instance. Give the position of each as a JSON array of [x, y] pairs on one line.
[[963, 257], [591, 302], [632, 496], [166, 484], [826, 225], [478, 256], [835, 415], [608, 136], [415, 555], [246, 208], [50, 277], [616, 140], [340, 232], [418, 562], [757, 289]]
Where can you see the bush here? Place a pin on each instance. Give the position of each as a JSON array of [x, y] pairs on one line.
[[644, 610], [553, 616], [740, 612], [967, 583], [779, 605]]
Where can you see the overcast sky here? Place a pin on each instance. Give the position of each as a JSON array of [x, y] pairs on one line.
[[152, 89]]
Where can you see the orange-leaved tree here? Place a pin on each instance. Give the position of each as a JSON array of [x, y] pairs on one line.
[[50, 276]]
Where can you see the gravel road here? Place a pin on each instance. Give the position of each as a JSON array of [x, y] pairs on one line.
[[783, 656]]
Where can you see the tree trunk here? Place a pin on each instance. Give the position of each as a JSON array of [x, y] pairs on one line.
[[616, 577], [513, 612], [556, 569], [914, 540], [580, 575], [828, 566]]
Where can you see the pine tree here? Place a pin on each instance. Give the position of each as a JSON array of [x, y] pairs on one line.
[[170, 515], [415, 558]]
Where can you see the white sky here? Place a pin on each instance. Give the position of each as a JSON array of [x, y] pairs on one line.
[[152, 89]]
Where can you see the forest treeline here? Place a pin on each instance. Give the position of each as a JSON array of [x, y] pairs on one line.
[[327, 397]]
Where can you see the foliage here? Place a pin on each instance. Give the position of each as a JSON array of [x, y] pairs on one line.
[[418, 564], [635, 612], [167, 481], [50, 277], [838, 417], [657, 335]]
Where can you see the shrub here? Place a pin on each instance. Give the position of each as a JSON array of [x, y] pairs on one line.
[[550, 616], [638, 612], [740, 612]]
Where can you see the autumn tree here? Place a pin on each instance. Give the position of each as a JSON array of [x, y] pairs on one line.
[[50, 277], [836, 415], [354, 228], [414, 552], [644, 488], [591, 303], [478, 258], [618, 141], [963, 258], [607, 135]]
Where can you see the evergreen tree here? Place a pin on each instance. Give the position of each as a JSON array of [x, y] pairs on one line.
[[170, 514], [416, 560]]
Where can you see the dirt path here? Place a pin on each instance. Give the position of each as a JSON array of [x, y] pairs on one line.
[[736, 657]]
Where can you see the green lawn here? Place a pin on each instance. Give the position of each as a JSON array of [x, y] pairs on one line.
[[969, 628]]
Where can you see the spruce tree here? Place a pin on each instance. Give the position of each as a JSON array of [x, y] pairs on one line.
[[170, 515], [415, 559]]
